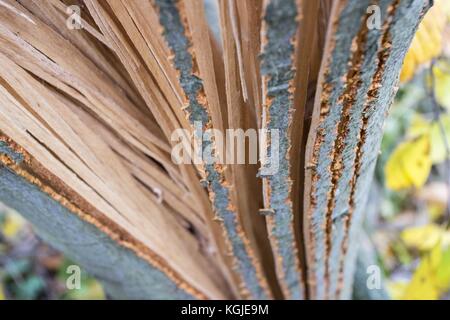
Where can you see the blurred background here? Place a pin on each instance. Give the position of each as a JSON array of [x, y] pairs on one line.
[[407, 214], [30, 269]]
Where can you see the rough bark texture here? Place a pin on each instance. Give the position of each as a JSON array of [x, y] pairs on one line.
[[359, 79], [178, 38], [122, 273], [278, 72]]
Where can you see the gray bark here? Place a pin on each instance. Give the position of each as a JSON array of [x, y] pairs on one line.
[[360, 76], [122, 273], [343, 146]]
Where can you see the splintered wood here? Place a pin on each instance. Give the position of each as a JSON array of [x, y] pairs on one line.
[[92, 93]]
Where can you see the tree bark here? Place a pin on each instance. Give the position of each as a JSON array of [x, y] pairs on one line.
[[357, 84], [122, 272]]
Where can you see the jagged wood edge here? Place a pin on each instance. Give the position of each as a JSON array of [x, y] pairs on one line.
[[399, 34], [279, 31], [125, 267], [241, 114], [339, 171], [175, 33]]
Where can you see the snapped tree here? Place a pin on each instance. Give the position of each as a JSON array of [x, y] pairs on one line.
[[91, 92]]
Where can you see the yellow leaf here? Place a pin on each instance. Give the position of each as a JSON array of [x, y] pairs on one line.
[[422, 285], [435, 196], [439, 132], [409, 165], [443, 272], [423, 237], [12, 225], [432, 276], [419, 126], [94, 292], [2, 293], [439, 138], [428, 41], [91, 290], [446, 239], [441, 72], [396, 289], [436, 210], [426, 237]]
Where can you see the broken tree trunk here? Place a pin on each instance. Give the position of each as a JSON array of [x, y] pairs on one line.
[[122, 269], [88, 117], [357, 85]]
